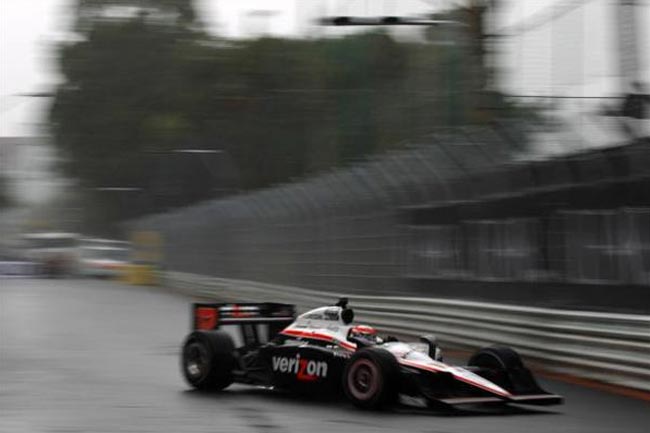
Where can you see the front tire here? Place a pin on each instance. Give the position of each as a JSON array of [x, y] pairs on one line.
[[370, 378], [504, 367], [496, 357], [207, 360]]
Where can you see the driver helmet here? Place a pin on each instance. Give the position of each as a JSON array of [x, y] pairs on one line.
[[363, 331]]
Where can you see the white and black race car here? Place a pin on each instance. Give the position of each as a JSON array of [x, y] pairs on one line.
[[321, 351]]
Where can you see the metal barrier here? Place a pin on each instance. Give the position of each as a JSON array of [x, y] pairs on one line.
[[455, 213], [613, 348], [18, 269]]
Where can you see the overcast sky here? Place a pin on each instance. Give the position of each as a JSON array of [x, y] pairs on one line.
[[572, 55]]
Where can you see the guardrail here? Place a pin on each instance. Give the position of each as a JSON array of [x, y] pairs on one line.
[[18, 268], [613, 348]]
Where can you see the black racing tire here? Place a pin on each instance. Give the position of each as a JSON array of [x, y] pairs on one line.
[[496, 358], [207, 360], [371, 378], [504, 367]]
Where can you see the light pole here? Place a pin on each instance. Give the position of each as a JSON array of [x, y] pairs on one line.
[[340, 21], [198, 151], [117, 188], [127, 198], [170, 181]]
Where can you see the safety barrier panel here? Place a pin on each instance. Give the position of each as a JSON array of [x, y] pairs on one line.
[[608, 347], [18, 269]]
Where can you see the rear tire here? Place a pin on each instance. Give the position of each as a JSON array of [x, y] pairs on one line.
[[207, 360], [370, 378]]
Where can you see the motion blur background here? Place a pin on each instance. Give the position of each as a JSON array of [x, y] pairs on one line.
[[476, 150], [468, 141]]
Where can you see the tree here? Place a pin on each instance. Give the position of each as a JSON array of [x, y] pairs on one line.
[[141, 87], [124, 97]]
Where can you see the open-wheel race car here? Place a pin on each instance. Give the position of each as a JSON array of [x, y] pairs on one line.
[[324, 351]]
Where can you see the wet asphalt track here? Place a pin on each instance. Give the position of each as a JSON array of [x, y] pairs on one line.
[[92, 356]]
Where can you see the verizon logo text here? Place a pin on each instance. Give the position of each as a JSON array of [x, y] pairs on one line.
[[304, 369]]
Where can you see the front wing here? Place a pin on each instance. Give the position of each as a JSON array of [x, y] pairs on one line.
[[446, 389]]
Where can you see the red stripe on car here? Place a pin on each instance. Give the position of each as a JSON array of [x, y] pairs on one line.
[[318, 336]]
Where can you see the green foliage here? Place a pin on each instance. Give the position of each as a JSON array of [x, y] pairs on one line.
[[139, 88]]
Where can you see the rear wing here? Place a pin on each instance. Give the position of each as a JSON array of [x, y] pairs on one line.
[[250, 317]]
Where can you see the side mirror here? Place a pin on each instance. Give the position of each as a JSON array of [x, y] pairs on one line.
[[434, 350]]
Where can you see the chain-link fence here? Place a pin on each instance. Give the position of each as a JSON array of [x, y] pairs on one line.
[[458, 206]]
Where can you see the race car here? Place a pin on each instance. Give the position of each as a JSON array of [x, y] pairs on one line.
[[324, 351]]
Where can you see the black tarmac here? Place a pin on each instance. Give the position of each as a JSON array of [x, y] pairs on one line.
[[96, 356]]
